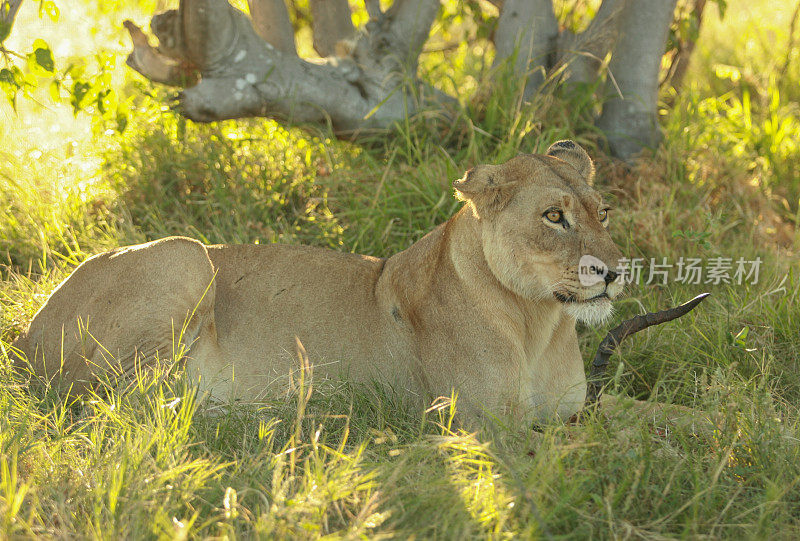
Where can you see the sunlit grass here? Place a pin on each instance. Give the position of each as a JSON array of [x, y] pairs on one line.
[[149, 459], [742, 97]]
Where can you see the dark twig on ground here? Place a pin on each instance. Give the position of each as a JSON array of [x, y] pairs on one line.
[[616, 335]]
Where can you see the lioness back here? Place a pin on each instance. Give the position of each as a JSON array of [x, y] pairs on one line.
[[270, 296]]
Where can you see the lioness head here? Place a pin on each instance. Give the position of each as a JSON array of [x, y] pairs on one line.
[[544, 229]]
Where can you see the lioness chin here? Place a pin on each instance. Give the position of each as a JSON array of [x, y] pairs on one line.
[[485, 304]]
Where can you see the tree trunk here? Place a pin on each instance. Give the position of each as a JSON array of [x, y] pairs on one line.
[[634, 32], [526, 34], [629, 117], [241, 74], [584, 53], [331, 24], [271, 22]]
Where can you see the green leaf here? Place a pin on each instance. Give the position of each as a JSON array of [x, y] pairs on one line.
[[6, 77], [741, 338], [79, 91], [42, 57], [12, 75], [106, 101], [122, 122], [722, 6], [10, 82]]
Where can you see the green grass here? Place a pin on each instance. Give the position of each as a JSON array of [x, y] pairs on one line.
[[149, 459]]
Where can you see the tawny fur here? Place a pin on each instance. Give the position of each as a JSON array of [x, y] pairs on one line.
[[472, 307]]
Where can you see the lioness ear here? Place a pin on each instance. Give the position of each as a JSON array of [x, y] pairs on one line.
[[573, 154], [484, 188]]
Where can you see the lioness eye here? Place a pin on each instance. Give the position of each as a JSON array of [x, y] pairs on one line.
[[554, 215], [603, 214]]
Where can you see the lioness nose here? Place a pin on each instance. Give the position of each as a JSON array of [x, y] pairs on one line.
[[610, 276]]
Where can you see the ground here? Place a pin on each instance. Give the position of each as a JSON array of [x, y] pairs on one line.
[[347, 461]]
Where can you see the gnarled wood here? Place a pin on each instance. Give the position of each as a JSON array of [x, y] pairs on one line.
[[157, 66], [331, 24], [243, 75], [250, 68], [271, 22], [409, 24]]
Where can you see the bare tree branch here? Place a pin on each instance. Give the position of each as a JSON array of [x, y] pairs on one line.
[[331, 24], [157, 66], [373, 8], [8, 12], [529, 30], [410, 25], [680, 62], [242, 75], [271, 22]]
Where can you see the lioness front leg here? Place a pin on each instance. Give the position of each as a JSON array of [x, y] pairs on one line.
[[659, 414], [121, 308]]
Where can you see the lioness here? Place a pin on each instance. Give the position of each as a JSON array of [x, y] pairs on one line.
[[485, 304]]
